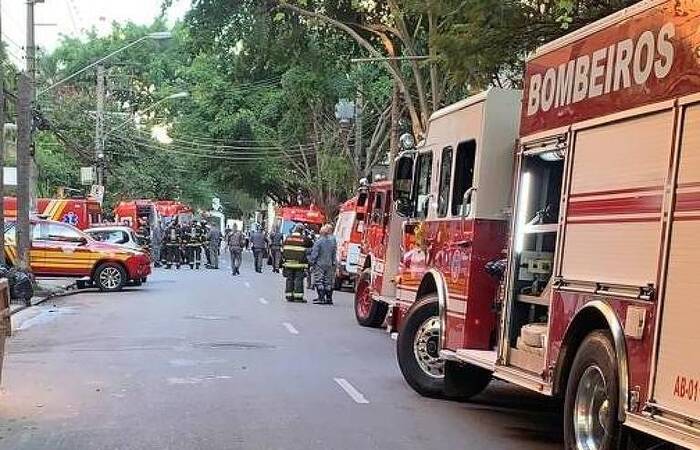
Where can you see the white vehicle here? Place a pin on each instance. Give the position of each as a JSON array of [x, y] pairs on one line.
[[119, 235]]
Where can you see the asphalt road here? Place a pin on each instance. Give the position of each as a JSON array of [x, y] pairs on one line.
[[203, 360]]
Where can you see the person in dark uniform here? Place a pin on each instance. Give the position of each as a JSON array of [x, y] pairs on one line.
[[276, 241], [235, 241], [323, 259], [258, 242], [214, 238], [294, 254], [172, 246], [197, 241]]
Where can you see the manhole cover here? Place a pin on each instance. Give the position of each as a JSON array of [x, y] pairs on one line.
[[234, 345]]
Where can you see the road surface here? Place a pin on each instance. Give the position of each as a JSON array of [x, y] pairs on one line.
[[203, 360]]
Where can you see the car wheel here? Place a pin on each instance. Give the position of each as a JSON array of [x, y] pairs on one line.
[[110, 277], [592, 396], [417, 349], [368, 312]]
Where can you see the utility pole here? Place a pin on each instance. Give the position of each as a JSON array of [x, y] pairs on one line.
[[33, 175], [24, 136], [99, 126], [2, 151]]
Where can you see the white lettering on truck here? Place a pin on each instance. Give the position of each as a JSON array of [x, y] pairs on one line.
[[606, 70]]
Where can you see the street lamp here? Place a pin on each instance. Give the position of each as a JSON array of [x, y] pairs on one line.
[[156, 36]]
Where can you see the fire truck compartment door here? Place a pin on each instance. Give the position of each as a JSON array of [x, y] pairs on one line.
[[393, 254], [677, 386]]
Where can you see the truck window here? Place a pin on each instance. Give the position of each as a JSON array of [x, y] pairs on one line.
[[424, 171], [464, 178], [378, 208], [445, 180]]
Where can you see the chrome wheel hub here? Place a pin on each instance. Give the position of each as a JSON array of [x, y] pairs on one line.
[[426, 348], [110, 277], [591, 410]]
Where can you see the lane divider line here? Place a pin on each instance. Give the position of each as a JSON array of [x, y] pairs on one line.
[[351, 391], [263, 301], [290, 328]]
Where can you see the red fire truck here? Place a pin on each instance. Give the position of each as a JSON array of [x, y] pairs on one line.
[[82, 213], [349, 227], [375, 291], [597, 304], [311, 216]]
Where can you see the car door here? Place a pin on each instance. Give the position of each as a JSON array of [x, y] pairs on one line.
[[65, 251], [35, 253]]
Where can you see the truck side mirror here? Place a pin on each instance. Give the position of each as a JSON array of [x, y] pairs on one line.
[[403, 183], [467, 201]]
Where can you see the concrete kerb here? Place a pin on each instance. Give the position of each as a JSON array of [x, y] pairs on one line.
[[46, 292]]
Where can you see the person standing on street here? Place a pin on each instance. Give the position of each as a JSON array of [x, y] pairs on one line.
[[258, 241], [235, 241], [214, 237], [156, 242], [323, 259], [294, 251], [276, 241]]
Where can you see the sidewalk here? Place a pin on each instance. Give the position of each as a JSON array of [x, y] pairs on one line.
[[47, 288]]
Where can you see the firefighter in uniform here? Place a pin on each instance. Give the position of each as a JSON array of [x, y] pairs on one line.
[[295, 264], [185, 245], [171, 241], [323, 259], [198, 238]]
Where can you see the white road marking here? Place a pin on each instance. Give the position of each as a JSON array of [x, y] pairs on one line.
[[290, 328], [263, 301], [247, 284], [351, 391]]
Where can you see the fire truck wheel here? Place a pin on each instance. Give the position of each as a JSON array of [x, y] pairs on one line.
[[417, 349], [464, 381], [368, 312], [110, 277], [591, 402]]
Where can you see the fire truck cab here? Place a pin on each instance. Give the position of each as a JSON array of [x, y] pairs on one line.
[[598, 305], [375, 291], [453, 192]]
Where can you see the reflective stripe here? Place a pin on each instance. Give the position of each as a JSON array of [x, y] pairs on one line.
[[294, 265], [294, 248]]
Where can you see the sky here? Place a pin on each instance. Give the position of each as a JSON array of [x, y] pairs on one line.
[[70, 17]]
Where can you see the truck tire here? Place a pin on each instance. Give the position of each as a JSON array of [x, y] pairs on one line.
[[110, 277], [417, 349], [464, 381], [368, 312], [592, 396]]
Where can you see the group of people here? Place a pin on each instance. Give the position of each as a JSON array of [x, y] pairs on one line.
[[184, 244], [297, 257], [264, 246], [303, 257]]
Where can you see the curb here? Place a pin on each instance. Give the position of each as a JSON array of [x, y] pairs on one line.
[[69, 290]]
